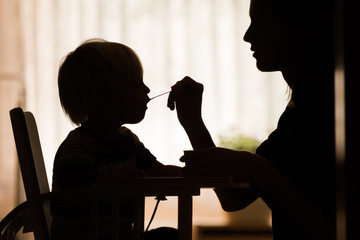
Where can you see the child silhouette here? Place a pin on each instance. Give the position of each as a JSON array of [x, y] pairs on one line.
[[101, 88]]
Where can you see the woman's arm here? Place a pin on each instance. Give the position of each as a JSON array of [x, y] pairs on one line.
[[280, 192], [292, 201], [186, 97], [233, 199]]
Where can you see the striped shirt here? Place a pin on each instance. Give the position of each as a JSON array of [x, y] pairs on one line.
[[83, 159]]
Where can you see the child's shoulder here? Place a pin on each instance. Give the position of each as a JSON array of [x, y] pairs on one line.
[[79, 137], [79, 134], [78, 144], [126, 134]]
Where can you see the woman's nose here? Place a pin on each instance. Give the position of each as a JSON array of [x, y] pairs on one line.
[[246, 35], [147, 89]]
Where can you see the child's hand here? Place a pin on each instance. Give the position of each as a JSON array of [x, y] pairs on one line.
[[186, 97], [135, 173]]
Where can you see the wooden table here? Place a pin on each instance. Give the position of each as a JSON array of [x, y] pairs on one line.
[[182, 187]]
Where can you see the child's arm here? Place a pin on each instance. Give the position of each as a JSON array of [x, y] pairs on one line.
[[158, 169]]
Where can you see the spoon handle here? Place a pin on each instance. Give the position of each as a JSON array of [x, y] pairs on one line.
[[160, 95]]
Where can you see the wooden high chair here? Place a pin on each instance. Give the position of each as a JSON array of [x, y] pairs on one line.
[[34, 214]]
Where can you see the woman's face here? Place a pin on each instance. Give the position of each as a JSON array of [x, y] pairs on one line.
[[269, 37]]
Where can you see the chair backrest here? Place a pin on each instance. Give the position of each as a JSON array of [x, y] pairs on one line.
[[32, 166]]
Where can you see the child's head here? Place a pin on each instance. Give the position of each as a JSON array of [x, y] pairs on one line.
[[97, 76]]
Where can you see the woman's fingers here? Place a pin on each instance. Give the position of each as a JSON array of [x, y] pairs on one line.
[[200, 162], [197, 154], [171, 101], [187, 87], [217, 162]]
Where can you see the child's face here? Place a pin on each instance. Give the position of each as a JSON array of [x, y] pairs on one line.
[[131, 102]]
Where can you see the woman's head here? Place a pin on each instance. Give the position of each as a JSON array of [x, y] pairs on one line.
[[287, 34], [296, 38], [94, 71]]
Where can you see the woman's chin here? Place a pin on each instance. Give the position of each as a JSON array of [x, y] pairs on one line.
[[265, 67]]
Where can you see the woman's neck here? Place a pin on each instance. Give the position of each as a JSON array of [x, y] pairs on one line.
[[290, 76]]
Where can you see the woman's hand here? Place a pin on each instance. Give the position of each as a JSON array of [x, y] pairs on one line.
[[220, 162], [186, 97]]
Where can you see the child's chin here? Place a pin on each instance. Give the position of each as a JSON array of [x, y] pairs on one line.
[[137, 120]]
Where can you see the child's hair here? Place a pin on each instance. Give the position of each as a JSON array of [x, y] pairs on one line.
[[94, 69]]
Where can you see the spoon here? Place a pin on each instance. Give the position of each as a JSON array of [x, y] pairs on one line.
[[160, 95]]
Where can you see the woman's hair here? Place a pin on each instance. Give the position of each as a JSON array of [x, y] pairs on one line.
[[93, 70], [312, 24]]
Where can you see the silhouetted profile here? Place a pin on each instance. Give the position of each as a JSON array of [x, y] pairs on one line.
[[101, 88], [293, 170]]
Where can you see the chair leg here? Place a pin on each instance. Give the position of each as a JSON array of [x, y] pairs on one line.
[[95, 219], [185, 217], [139, 217]]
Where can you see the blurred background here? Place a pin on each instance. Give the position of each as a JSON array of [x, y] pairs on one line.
[[173, 38]]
